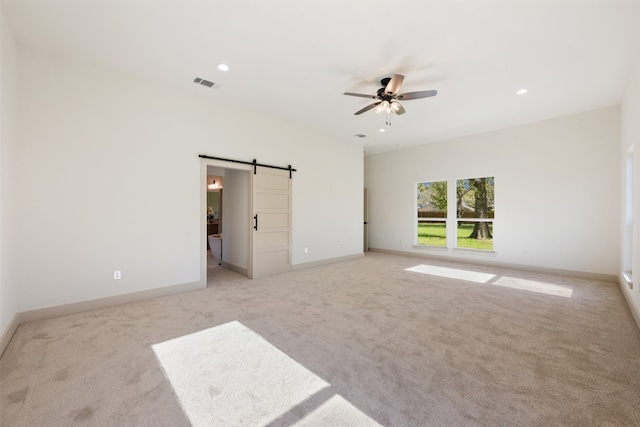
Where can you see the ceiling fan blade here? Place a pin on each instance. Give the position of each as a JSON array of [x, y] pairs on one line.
[[401, 110], [360, 95], [394, 85], [367, 108], [417, 95]]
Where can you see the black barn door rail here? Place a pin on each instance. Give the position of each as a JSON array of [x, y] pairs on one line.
[[254, 163]]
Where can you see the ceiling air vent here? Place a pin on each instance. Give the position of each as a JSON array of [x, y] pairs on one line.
[[203, 82]]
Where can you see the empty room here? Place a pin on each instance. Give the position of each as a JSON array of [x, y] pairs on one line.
[[327, 213]]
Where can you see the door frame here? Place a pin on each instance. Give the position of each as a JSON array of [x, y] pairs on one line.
[[204, 163]]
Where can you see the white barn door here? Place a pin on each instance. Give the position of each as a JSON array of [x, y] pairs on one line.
[[271, 222]]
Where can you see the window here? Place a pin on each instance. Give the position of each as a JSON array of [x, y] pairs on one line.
[[432, 213], [470, 216], [475, 213]]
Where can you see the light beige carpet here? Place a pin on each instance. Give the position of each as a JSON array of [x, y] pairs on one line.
[[383, 340]]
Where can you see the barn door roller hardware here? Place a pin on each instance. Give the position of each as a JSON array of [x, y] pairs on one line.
[[254, 163]]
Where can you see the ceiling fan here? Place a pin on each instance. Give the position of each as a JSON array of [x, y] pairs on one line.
[[388, 97]]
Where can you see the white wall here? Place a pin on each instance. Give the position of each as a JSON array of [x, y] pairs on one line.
[[557, 187], [110, 179], [8, 106], [630, 139]]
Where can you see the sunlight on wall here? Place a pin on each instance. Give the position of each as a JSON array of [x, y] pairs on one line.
[[229, 375], [492, 279]]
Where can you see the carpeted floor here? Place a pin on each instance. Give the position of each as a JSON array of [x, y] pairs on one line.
[[382, 340]]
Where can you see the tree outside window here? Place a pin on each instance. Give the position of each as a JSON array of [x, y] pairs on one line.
[[475, 213]]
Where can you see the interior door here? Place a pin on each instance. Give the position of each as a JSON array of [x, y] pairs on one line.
[[271, 222]]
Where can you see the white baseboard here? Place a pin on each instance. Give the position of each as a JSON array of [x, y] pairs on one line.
[[633, 308], [233, 267], [325, 261], [7, 334], [534, 269], [79, 307], [82, 306]]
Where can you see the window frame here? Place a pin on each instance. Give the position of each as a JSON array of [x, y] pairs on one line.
[[418, 219], [450, 219], [490, 220]]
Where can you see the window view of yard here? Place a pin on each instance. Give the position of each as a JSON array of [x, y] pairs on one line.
[[435, 234], [474, 212], [465, 230], [474, 202], [432, 233], [432, 210]]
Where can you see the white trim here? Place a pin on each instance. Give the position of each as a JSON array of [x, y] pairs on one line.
[[326, 261], [475, 251], [430, 247], [81, 306], [627, 277], [233, 267], [9, 331], [534, 269], [635, 310]]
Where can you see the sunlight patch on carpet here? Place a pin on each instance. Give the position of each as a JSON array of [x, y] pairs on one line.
[[492, 279], [452, 273], [336, 411], [229, 375], [534, 286]]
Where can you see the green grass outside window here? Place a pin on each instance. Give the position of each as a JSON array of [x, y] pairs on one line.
[[435, 234]]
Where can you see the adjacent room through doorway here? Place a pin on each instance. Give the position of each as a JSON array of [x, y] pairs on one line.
[[226, 215]]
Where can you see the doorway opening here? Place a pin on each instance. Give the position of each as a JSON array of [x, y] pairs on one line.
[[254, 218], [225, 213]]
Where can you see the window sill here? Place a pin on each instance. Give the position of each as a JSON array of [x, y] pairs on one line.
[[460, 250], [431, 248]]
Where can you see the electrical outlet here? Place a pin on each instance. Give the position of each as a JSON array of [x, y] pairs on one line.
[[117, 275]]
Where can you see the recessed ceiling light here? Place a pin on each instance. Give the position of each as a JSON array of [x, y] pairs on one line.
[[382, 130], [521, 91], [223, 67]]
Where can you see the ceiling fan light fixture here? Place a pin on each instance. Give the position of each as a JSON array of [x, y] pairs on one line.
[[388, 95], [383, 107]]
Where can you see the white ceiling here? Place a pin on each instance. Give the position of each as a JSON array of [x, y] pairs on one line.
[[293, 60]]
